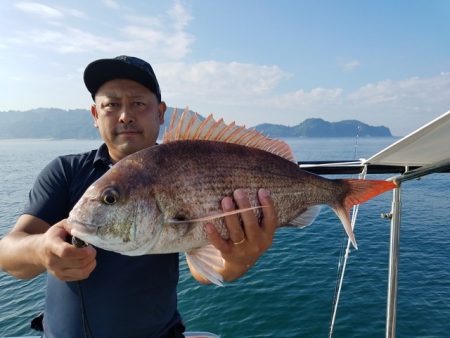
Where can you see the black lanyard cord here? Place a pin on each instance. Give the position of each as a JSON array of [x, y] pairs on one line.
[[86, 328]]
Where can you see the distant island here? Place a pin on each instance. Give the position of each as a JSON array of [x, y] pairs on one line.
[[316, 127], [78, 124]]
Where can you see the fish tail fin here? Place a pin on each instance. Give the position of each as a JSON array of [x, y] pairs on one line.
[[359, 191]]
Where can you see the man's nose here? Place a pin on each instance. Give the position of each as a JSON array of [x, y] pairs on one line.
[[126, 116]]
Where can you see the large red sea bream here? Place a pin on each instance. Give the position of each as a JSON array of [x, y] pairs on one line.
[[159, 199]]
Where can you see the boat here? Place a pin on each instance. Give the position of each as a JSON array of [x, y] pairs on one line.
[[196, 334], [423, 152]]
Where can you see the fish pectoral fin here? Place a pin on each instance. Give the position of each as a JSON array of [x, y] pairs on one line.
[[307, 217], [211, 217], [205, 261]]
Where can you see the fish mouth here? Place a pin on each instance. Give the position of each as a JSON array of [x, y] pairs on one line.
[[91, 233], [82, 227]]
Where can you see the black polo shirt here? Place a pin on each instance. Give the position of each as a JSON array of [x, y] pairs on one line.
[[124, 296]]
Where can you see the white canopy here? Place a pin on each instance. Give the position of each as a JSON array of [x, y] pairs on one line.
[[427, 145]]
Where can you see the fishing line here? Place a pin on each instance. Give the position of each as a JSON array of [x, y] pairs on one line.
[[342, 264], [78, 243], [86, 327], [356, 143]]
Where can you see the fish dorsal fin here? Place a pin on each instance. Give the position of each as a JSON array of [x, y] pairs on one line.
[[190, 127]]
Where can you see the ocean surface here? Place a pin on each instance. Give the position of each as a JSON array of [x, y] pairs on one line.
[[290, 291]]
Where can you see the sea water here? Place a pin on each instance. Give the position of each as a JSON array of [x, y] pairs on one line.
[[290, 291]]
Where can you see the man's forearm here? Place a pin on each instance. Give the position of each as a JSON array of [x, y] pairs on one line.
[[19, 255]]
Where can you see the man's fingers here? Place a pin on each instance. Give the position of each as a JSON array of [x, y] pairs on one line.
[[233, 222], [251, 226], [216, 240], [270, 218], [70, 252], [75, 273]]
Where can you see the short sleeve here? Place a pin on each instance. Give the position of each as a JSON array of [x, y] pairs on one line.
[[49, 197]]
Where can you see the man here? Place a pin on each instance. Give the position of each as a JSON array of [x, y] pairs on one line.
[[93, 292]]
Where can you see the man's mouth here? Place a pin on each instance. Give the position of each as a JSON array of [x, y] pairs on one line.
[[129, 133]]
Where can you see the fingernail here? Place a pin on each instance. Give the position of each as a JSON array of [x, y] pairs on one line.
[[227, 203], [239, 194], [263, 193]]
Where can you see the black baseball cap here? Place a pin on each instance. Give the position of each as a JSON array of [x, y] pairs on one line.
[[121, 67]]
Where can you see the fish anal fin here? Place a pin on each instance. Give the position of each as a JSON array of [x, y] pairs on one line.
[[359, 191], [191, 127], [344, 216], [306, 218], [205, 261]]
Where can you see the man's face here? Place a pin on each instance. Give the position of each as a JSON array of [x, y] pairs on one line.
[[128, 117]]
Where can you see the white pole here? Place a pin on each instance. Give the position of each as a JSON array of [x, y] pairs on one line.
[[394, 248]]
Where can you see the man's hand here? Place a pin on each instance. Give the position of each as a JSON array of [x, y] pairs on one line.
[[33, 246], [247, 241], [64, 260]]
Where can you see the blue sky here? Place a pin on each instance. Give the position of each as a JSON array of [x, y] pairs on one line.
[[383, 62]]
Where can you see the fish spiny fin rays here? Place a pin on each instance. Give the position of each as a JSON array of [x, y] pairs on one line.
[[205, 261], [190, 127], [359, 191], [307, 217]]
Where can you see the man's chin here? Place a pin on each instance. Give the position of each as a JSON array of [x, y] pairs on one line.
[[128, 148]]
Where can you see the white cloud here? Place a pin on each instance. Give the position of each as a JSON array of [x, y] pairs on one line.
[[49, 13], [218, 81], [164, 38], [62, 41], [415, 92], [73, 12], [147, 21], [319, 97], [180, 16], [402, 105], [246, 93], [111, 4], [351, 65], [39, 9]]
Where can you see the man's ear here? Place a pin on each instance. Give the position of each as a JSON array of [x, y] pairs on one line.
[[94, 115], [162, 110]]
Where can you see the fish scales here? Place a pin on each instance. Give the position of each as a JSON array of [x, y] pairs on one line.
[[194, 176]]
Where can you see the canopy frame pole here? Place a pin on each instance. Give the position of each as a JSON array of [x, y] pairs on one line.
[[394, 249]]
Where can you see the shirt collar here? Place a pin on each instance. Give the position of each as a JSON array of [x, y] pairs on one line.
[[102, 156]]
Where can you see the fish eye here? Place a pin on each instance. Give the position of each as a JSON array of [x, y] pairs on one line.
[[110, 196]]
